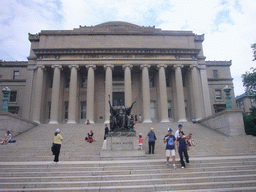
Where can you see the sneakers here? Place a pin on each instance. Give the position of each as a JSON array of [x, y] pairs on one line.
[[174, 167], [167, 163], [182, 167]]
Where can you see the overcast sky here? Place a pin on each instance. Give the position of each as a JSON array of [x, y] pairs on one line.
[[229, 25]]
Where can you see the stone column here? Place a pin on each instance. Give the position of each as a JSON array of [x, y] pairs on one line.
[[72, 108], [163, 93], [206, 94], [196, 93], [38, 94], [108, 90], [146, 94], [180, 94], [55, 95], [127, 85], [90, 93]]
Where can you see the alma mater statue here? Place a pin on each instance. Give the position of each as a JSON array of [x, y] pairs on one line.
[[121, 119]]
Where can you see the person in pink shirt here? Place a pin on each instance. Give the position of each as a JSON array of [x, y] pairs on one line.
[[190, 140], [140, 141]]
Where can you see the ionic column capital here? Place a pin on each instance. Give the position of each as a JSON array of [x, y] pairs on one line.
[[161, 65], [127, 65], [176, 66], [91, 66], [146, 65], [59, 66], [202, 67], [40, 66], [192, 66], [75, 66], [108, 65]]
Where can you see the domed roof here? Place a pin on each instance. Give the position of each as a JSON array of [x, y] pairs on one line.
[[116, 23]]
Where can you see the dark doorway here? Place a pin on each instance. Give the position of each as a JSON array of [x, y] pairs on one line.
[[118, 98]]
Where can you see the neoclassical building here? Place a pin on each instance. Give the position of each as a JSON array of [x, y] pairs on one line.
[[71, 74]]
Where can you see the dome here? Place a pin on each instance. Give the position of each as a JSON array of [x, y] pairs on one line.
[[116, 23]]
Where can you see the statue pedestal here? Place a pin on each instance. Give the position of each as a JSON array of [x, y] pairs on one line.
[[122, 144]]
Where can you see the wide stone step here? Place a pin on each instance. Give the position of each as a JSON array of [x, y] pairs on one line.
[[249, 184]]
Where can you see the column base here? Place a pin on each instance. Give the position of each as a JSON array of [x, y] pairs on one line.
[[165, 121], [37, 122], [53, 122], [91, 122], [182, 121], [71, 122], [147, 121]]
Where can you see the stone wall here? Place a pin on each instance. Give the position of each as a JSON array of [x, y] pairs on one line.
[[229, 122], [14, 124]]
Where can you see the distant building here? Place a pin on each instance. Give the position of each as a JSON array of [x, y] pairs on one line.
[[246, 101], [71, 74]]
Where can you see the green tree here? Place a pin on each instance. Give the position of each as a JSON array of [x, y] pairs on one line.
[[249, 80], [250, 122], [253, 46]]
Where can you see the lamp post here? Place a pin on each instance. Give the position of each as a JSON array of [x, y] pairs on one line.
[[228, 97], [5, 99]]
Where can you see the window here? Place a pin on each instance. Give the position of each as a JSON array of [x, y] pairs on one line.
[[253, 101], [16, 74], [153, 109], [84, 81], [215, 74], [241, 103], [118, 77], [169, 109], [83, 110], [218, 94], [13, 96], [151, 82], [66, 109]]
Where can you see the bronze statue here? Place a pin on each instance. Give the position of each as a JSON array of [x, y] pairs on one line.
[[120, 119]]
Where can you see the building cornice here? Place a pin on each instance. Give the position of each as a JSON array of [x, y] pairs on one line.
[[193, 53], [226, 79]]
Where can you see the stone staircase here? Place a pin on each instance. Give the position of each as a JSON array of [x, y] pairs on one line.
[[217, 162], [202, 174]]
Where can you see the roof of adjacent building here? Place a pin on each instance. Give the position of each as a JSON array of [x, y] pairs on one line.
[[246, 94], [14, 63]]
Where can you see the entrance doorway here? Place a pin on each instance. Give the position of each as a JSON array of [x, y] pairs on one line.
[[118, 98]]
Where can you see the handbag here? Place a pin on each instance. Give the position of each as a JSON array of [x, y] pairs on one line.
[[52, 149]]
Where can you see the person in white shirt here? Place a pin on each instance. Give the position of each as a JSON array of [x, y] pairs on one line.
[[7, 138]]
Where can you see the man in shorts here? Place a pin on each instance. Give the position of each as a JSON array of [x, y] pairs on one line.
[[169, 139]]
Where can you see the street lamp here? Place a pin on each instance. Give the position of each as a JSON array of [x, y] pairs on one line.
[[5, 99], [228, 97]]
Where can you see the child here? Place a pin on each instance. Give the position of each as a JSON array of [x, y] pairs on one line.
[[169, 139], [190, 140], [140, 141], [181, 142]]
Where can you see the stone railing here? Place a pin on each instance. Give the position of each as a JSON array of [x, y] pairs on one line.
[[229, 122], [14, 124]]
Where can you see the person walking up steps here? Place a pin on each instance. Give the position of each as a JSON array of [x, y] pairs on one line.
[[169, 139], [181, 142], [57, 145], [151, 140]]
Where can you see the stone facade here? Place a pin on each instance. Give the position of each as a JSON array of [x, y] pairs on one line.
[[246, 101], [70, 75]]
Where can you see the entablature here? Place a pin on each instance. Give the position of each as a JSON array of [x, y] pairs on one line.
[[117, 52]]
